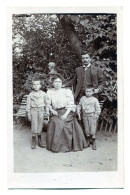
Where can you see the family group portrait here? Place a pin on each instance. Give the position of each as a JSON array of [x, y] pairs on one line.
[[64, 69]]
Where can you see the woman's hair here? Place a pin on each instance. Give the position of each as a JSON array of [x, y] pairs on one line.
[[57, 77]]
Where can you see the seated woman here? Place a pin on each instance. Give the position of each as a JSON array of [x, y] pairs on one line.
[[64, 132]]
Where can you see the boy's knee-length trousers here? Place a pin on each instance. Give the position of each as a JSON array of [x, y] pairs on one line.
[[37, 119], [90, 125]]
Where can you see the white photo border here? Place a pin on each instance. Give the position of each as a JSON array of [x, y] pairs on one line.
[[113, 179]]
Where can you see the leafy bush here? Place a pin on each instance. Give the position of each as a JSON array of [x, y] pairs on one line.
[[40, 38]]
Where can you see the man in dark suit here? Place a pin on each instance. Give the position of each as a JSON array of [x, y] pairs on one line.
[[87, 75]]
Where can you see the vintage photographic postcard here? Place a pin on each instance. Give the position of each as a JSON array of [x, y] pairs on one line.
[[65, 97]]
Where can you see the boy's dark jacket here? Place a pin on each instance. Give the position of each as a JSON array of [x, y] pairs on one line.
[[96, 75]]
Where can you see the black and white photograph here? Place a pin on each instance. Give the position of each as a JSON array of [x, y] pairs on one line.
[[65, 88]]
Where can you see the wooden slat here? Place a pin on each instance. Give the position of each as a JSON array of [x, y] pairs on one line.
[[22, 108], [106, 127], [115, 128], [101, 125], [23, 103], [110, 128], [20, 112]]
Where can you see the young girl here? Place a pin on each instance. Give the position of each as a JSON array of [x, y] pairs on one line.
[[35, 110], [90, 111]]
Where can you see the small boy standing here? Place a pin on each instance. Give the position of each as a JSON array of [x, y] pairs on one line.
[[90, 108], [35, 110]]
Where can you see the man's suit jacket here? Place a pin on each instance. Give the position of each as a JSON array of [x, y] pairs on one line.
[[96, 76]]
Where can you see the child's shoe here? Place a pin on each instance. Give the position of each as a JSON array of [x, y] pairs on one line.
[[33, 142], [40, 144], [94, 144]]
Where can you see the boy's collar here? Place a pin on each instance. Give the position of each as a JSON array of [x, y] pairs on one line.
[[35, 92]]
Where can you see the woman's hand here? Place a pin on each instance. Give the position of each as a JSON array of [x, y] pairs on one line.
[[55, 113], [63, 117], [96, 116], [79, 117]]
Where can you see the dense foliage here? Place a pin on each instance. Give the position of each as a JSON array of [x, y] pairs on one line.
[[40, 38], [97, 33]]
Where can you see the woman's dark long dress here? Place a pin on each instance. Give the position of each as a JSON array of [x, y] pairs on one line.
[[64, 136]]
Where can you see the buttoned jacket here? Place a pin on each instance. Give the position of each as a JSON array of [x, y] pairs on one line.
[[36, 100], [96, 77]]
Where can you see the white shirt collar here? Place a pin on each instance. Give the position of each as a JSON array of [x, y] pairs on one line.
[[87, 65]]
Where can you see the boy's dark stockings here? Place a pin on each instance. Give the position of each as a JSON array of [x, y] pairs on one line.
[[40, 144], [88, 141], [33, 142], [94, 144]]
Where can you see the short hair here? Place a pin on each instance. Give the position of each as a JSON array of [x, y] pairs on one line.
[[89, 87], [36, 79], [57, 76], [85, 52]]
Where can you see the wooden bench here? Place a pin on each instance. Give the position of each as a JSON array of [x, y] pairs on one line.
[[22, 108]]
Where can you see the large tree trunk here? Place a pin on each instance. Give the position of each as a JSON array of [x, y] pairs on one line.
[[71, 34]]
